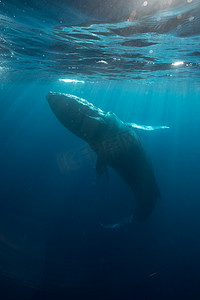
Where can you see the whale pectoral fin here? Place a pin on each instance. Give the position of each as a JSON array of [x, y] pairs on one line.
[[147, 127]]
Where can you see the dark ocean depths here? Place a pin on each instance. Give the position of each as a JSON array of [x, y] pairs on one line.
[[62, 234]]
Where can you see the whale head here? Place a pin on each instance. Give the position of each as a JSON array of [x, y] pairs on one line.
[[78, 115]]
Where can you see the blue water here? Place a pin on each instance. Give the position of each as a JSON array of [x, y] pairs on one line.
[[62, 235]]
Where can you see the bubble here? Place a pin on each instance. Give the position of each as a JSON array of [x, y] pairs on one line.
[[145, 3]]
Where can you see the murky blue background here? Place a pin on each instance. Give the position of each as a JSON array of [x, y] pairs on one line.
[[52, 244]]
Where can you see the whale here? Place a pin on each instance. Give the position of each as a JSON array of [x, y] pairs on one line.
[[117, 145]]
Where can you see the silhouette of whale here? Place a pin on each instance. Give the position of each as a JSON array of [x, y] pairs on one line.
[[116, 143]]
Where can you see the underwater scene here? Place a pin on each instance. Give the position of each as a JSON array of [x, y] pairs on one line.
[[99, 149]]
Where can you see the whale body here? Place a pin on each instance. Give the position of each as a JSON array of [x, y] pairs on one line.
[[116, 143]]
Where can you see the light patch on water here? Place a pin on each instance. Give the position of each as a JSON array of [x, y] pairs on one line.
[[102, 62], [178, 63], [71, 81], [3, 70]]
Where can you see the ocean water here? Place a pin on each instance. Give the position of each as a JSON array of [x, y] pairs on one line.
[[62, 234]]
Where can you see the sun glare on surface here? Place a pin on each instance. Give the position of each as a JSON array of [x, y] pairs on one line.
[[178, 63], [72, 81]]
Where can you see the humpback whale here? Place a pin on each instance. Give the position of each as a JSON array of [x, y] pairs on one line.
[[116, 143]]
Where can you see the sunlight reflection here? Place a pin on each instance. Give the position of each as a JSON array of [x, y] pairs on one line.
[[102, 62], [72, 81], [178, 63]]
